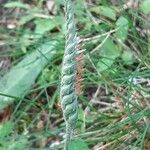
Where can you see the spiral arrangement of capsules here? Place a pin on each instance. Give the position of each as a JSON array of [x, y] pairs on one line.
[[68, 94]]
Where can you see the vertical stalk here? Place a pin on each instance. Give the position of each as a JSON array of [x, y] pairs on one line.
[[67, 90]]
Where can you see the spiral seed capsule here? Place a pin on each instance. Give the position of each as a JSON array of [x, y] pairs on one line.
[[67, 90]]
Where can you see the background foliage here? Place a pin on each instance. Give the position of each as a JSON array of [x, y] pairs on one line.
[[115, 105]]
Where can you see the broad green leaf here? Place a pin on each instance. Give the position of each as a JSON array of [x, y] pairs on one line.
[[109, 52], [108, 12], [44, 25], [17, 82], [105, 63], [123, 25], [145, 6], [105, 11], [5, 129], [110, 49], [77, 144], [127, 57], [16, 4], [25, 19]]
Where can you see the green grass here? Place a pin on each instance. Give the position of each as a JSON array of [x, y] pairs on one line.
[[115, 106]]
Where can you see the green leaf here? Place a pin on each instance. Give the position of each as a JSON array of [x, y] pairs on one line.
[[127, 57], [109, 52], [105, 63], [17, 4], [108, 12], [123, 25], [17, 82], [77, 144], [25, 19], [5, 129], [105, 11], [44, 25], [145, 6]]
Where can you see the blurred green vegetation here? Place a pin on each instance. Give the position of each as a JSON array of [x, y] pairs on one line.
[[114, 109]]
